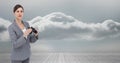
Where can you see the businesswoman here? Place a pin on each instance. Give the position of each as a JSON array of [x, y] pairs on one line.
[[21, 36]]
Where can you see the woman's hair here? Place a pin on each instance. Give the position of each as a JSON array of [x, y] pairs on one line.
[[17, 6]]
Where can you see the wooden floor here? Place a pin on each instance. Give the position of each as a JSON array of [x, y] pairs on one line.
[[74, 58], [60, 57]]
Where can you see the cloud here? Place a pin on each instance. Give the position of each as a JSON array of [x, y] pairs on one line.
[[109, 28], [3, 30], [58, 25]]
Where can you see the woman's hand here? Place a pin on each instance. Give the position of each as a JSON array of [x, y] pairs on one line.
[[36, 34], [27, 32]]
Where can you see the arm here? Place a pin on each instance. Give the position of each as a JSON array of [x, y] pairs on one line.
[[32, 37], [16, 42]]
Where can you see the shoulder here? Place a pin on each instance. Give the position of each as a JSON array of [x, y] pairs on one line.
[[10, 26], [26, 23]]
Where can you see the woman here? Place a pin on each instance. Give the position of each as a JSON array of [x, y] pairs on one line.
[[21, 36]]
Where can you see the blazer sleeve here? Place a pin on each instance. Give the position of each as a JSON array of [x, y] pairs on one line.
[[16, 42]]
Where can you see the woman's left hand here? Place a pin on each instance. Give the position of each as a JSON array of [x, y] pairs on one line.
[[36, 34]]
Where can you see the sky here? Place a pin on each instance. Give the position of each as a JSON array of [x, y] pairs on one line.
[[84, 10], [85, 25]]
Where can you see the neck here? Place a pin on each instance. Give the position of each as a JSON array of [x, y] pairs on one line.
[[18, 21]]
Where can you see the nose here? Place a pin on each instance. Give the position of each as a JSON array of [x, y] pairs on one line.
[[20, 12]]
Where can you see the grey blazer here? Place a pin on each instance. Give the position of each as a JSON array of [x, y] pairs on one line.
[[20, 45]]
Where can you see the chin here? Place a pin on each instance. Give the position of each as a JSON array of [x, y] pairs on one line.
[[19, 18]]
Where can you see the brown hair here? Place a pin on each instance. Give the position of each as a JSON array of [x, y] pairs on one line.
[[17, 6]]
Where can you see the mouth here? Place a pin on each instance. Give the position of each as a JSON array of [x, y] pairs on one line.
[[20, 16]]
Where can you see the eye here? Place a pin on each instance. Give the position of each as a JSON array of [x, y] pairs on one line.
[[17, 11], [21, 11]]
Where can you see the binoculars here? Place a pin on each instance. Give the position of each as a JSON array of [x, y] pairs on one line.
[[33, 30]]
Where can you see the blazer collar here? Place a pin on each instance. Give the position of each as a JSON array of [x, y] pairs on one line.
[[18, 26]]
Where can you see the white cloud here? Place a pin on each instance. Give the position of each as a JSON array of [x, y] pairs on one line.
[[57, 25], [4, 36]]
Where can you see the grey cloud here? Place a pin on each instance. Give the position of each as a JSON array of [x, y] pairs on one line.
[[2, 29], [113, 29], [56, 33]]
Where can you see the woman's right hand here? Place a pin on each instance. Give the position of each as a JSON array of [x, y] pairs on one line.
[[27, 32]]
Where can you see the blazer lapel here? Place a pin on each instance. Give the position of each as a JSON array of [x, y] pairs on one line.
[[18, 28], [26, 26]]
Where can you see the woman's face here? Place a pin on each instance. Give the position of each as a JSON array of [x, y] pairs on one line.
[[19, 13]]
